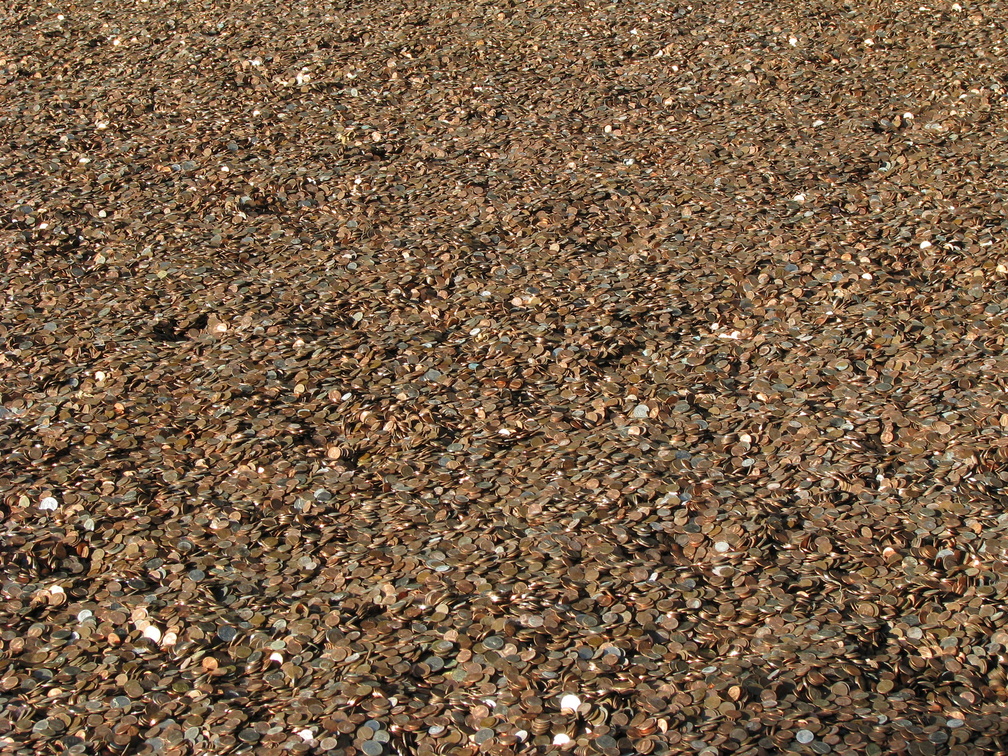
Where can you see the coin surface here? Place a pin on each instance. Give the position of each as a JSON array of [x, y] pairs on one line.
[[438, 378]]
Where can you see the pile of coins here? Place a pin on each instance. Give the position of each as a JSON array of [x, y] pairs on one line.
[[461, 378]]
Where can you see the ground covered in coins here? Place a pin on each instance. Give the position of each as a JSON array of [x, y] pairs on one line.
[[459, 377]]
